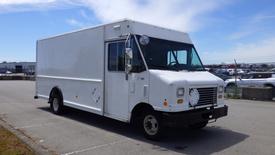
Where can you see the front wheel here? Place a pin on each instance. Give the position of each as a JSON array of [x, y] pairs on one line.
[[152, 125]]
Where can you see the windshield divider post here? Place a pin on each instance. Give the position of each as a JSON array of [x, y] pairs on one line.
[[176, 59], [140, 51]]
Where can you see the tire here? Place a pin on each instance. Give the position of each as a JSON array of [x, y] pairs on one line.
[[198, 126], [57, 104], [152, 125], [273, 89]]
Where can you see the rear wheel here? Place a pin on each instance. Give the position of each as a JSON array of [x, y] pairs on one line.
[[151, 125], [57, 104]]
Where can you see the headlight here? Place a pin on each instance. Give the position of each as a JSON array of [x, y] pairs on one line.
[[180, 92], [220, 89], [194, 97]]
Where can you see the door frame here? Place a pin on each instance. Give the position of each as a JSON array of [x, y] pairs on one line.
[[106, 50]]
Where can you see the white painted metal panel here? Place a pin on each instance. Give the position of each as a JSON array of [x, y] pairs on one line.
[[118, 29], [159, 32], [78, 54], [116, 93], [75, 63], [138, 89], [164, 85], [125, 26]]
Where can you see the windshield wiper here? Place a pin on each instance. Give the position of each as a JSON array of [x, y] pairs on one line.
[[176, 58], [160, 66], [197, 69]]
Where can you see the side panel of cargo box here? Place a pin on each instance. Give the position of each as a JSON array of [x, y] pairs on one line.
[[74, 63]]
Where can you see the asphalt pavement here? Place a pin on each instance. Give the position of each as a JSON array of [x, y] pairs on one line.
[[249, 129]]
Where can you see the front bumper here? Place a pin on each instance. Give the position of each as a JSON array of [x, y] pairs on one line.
[[193, 116]]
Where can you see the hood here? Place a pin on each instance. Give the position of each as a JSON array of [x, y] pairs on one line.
[[190, 78]]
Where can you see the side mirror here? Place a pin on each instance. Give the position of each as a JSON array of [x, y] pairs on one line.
[[128, 60]]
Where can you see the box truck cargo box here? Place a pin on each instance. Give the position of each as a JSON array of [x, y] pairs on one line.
[[132, 72]]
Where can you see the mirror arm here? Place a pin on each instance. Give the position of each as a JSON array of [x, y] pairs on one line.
[[127, 44], [140, 51], [126, 76], [127, 38]]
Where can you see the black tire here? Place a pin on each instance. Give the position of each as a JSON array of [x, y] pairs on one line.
[[57, 104], [197, 126], [273, 89], [151, 125]]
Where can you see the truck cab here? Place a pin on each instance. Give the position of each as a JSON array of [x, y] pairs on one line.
[[175, 84]]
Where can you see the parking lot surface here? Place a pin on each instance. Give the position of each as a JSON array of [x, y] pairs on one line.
[[249, 129]]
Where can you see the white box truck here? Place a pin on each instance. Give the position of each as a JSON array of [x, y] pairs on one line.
[[132, 72]]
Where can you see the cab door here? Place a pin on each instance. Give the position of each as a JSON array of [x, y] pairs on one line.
[[116, 86]]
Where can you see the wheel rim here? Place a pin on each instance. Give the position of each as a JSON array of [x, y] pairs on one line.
[[150, 125], [55, 104]]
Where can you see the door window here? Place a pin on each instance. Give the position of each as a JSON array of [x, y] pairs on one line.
[[116, 56]]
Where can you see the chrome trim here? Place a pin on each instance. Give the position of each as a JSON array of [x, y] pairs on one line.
[[43, 96], [69, 78]]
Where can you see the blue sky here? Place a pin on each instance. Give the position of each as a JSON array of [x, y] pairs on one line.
[[220, 29]]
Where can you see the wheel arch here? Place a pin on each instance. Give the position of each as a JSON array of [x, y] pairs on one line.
[[138, 109], [55, 90], [269, 85]]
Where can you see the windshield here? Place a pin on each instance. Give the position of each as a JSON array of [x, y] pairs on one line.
[[170, 55]]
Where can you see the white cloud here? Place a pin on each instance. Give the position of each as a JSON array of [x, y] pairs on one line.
[[261, 51], [74, 22], [183, 15], [251, 25], [17, 2], [241, 34], [262, 17], [9, 6], [84, 15]]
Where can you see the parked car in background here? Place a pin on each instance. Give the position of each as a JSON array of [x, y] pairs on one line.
[[253, 79], [230, 71], [8, 72], [272, 70], [29, 73], [240, 72], [222, 76], [221, 71]]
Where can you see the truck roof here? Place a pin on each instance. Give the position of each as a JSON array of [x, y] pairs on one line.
[[184, 34]]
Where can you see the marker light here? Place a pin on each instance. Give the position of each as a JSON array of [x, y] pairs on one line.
[[165, 103], [179, 101], [220, 89], [180, 92]]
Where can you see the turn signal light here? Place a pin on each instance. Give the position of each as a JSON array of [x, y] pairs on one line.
[[179, 101], [165, 103]]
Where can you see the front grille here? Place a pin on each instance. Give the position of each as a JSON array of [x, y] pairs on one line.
[[207, 96]]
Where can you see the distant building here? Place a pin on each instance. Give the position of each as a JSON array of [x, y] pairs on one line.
[[17, 67]]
